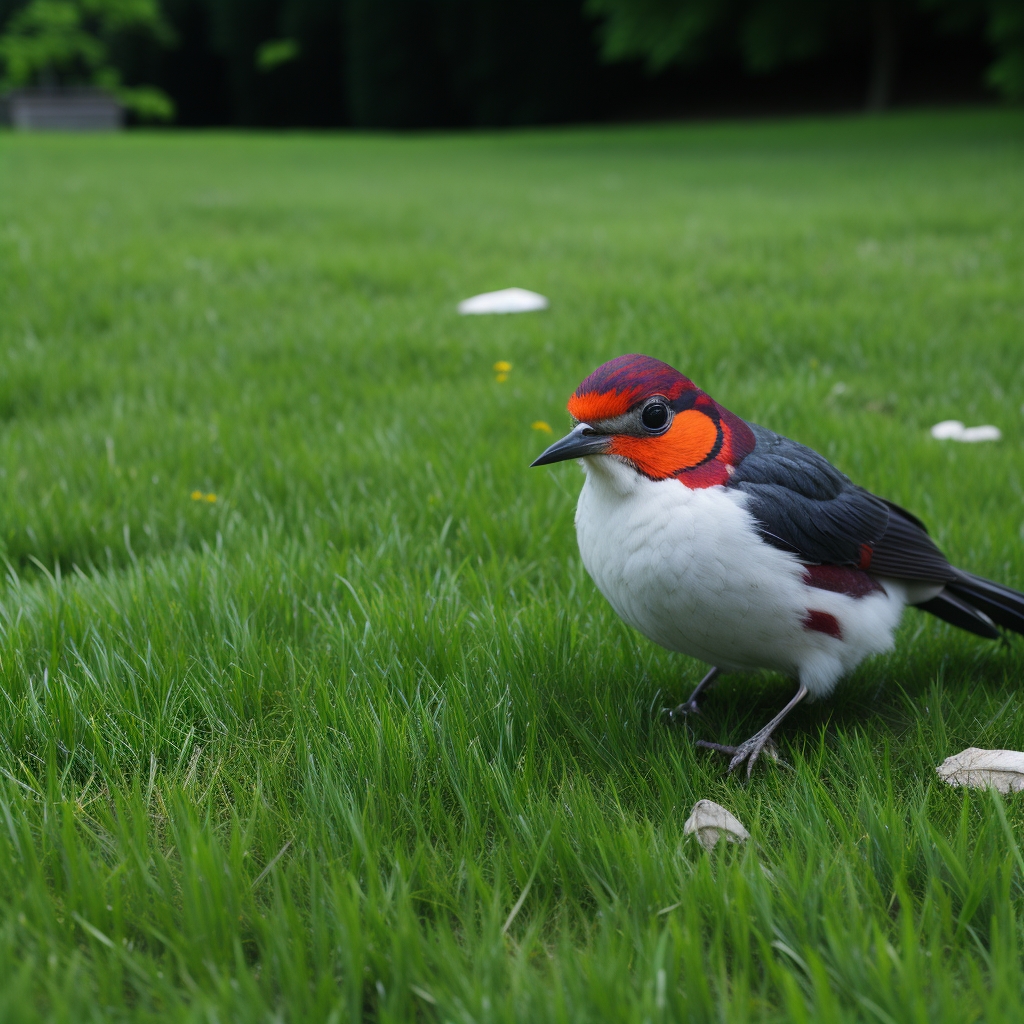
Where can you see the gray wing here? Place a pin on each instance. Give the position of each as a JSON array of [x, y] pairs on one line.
[[803, 504]]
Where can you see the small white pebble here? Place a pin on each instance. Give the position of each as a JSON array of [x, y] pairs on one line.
[[508, 300], [954, 430]]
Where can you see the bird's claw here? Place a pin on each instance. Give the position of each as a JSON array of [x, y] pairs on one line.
[[749, 751]]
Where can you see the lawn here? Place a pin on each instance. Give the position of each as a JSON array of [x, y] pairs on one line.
[[308, 711]]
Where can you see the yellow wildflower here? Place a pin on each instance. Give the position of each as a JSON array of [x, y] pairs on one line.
[[502, 367], [541, 425], [211, 498], [501, 377], [197, 495]]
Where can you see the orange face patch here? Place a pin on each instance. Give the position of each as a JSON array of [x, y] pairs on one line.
[[692, 437], [603, 405]]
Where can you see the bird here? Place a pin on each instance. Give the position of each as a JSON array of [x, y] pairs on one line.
[[728, 542]]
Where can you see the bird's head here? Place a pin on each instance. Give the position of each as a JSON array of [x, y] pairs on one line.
[[646, 413]]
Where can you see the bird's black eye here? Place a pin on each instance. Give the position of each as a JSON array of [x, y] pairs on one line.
[[654, 416]]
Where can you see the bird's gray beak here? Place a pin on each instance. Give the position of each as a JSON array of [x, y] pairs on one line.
[[583, 440]]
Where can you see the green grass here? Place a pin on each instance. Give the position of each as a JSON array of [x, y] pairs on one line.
[[360, 738]]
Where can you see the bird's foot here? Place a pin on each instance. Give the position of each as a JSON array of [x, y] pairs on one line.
[[683, 711], [689, 707], [749, 751]]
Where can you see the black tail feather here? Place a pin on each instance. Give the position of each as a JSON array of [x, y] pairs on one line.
[[960, 614], [1005, 607]]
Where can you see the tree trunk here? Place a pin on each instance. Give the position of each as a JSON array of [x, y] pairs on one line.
[[883, 55]]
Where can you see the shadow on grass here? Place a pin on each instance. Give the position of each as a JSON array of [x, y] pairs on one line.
[[888, 697]]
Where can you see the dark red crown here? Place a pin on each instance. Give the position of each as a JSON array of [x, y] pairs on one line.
[[616, 386]]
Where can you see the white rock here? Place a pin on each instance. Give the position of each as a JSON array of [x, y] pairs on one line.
[[508, 300], [947, 430], [954, 430], [709, 822], [978, 768], [985, 433]]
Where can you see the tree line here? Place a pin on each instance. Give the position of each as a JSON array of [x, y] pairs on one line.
[[430, 63]]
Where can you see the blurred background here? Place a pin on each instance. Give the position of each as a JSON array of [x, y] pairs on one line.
[[456, 63]]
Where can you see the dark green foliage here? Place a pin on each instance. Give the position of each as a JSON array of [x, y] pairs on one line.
[[1003, 24], [396, 78], [309, 89], [421, 62], [523, 61], [768, 33], [70, 43], [1006, 30]]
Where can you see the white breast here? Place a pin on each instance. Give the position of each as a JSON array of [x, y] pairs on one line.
[[688, 569]]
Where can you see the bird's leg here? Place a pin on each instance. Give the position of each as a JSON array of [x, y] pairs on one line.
[[750, 749], [689, 707]]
